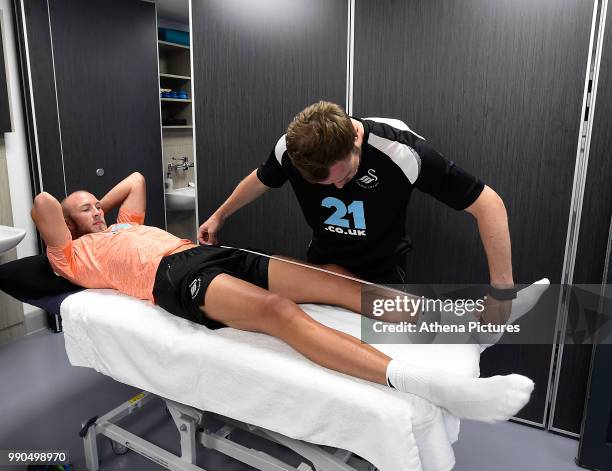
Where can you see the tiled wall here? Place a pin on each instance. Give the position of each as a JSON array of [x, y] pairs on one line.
[[179, 143]]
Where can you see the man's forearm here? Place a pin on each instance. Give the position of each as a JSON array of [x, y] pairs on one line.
[[496, 241], [121, 191], [490, 212], [247, 191]]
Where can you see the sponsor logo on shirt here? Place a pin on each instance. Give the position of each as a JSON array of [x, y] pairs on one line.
[[194, 287], [346, 219], [340, 230], [368, 181], [119, 227]]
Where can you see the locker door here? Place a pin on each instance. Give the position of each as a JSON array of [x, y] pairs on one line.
[[95, 89], [105, 55], [592, 241], [497, 88], [5, 111]]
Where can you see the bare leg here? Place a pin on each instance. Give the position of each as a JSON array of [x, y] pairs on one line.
[[244, 306], [303, 285]]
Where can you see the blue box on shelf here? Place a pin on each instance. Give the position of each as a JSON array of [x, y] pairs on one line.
[[173, 36]]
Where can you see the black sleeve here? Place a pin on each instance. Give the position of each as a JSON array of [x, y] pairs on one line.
[[444, 180], [271, 173]]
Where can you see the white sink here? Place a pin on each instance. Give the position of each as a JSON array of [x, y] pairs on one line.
[[181, 199], [10, 237]]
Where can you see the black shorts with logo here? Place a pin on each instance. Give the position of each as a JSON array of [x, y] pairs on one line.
[[183, 278]]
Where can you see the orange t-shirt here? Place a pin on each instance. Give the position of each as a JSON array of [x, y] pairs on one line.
[[125, 256]]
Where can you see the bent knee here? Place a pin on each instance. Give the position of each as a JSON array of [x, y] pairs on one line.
[[277, 307], [277, 312]]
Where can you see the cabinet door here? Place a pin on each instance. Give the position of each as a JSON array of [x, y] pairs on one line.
[[5, 110], [592, 241], [256, 65], [95, 76], [43, 123], [497, 88], [105, 55]]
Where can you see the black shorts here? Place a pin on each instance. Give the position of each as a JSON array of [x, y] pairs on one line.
[[183, 278], [390, 273]]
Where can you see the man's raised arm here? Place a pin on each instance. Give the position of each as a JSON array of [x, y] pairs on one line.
[[49, 219], [490, 213], [247, 191], [130, 194]]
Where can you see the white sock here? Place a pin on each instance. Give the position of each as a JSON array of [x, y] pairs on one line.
[[525, 300], [485, 399]]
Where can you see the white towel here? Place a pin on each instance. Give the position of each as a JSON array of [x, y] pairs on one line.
[[260, 380]]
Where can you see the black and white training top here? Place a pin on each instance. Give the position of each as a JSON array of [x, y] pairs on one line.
[[363, 224]]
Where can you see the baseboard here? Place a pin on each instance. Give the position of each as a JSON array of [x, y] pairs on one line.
[[35, 320], [12, 333]]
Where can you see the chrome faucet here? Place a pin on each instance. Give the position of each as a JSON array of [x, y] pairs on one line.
[[183, 165]]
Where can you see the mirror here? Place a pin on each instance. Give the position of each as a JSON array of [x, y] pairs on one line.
[[177, 117]]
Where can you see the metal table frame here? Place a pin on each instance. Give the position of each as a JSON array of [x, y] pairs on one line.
[[192, 431]]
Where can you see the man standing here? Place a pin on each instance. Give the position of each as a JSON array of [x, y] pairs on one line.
[[353, 179]]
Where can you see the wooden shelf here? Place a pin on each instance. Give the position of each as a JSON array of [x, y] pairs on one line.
[[166, 46], [177, 127], [174, 77], [175, 100]]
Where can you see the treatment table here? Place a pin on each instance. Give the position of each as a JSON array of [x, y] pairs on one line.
[[257, 383]]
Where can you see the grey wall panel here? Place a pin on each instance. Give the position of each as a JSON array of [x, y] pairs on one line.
[[256, 65], [592, 239], [597, 205], [44, 111], [5, 111], [496, 87], [108, 94]]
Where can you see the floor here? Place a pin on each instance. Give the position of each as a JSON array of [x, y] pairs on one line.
[[44, 400]]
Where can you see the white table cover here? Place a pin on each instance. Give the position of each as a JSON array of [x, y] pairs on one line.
[[260, 380]]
